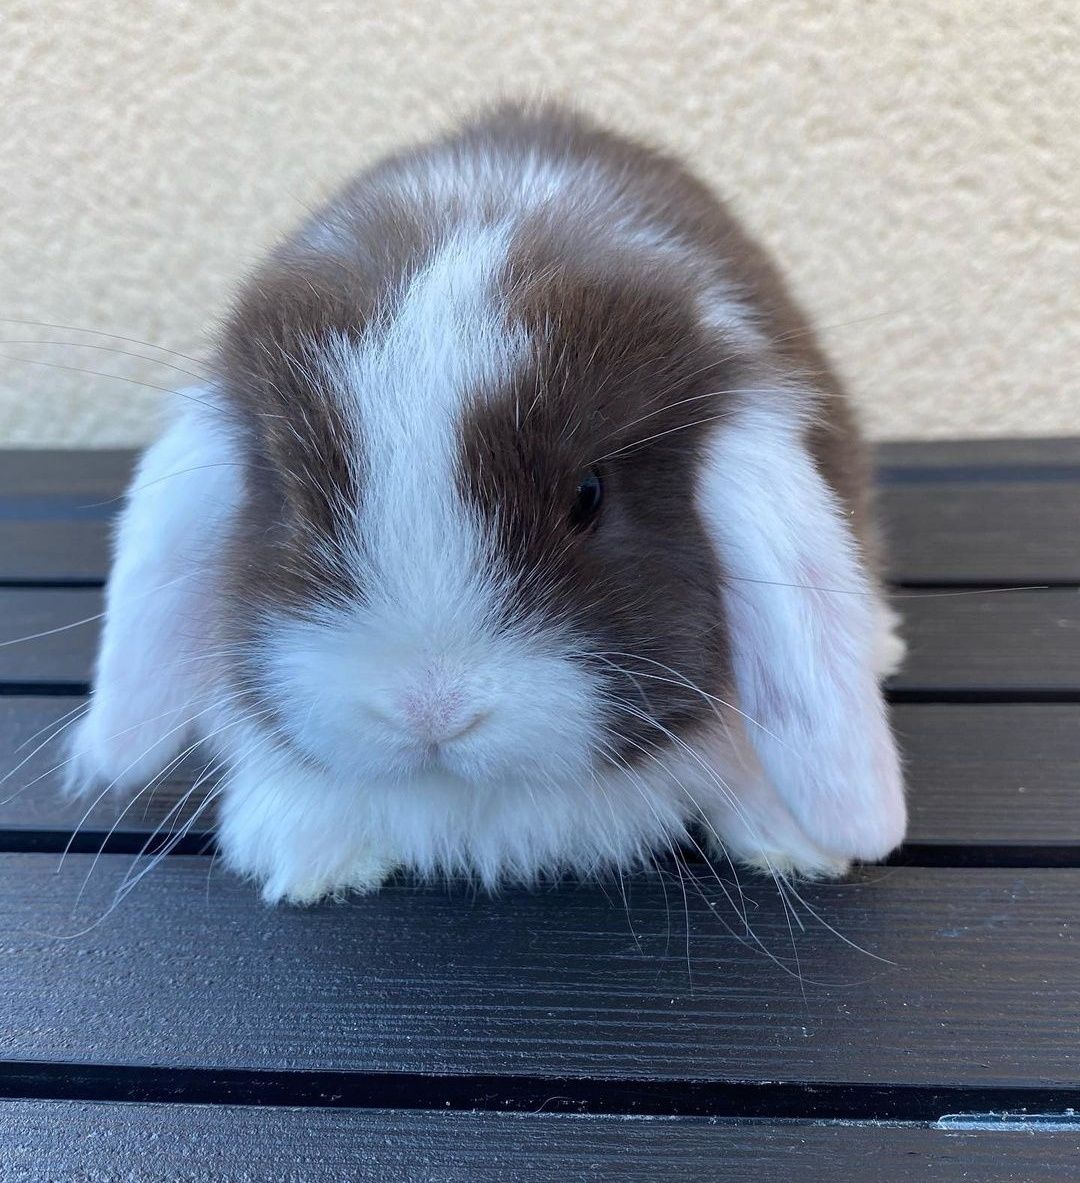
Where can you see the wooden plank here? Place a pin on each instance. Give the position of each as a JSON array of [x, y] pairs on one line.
[[980, 641], [991, 511], [146, 1143], [1004, 642], [977, 511], [34, 752], [991, 532], [989, 773], [57, 552], [41, 637], [980, 982], [80, 475], [1043, 452]]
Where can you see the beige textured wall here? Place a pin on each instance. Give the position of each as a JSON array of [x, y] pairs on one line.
[[914, 164]]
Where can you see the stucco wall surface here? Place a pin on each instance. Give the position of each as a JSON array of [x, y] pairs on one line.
[[914, 165]]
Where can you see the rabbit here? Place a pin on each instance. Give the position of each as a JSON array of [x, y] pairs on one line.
[[521, 529]]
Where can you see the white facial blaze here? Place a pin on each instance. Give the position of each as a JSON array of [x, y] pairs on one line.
[[406, 386]]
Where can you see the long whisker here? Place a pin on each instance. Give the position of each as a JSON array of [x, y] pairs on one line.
[[60, 628], [72, 936], [636, 780], [618, 869], [126, 886], [689, 685], [661, 435], [696, 398], [76, 755], [702, 814], [754, 940], [45, 324], [168, 767], [55, 365], [75, 717], [836, 932], [79, 706], [168, 476], [159, 361], [782, 882], [851, 591]]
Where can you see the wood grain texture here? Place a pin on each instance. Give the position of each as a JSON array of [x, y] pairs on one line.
[[980, 981], [86, 475], [97, 1143], [1004, 642], [1010, 641], [975, 774], [57, 552], [967, 453], [991, 773], [34, 752], [48, 634], [989, 532]]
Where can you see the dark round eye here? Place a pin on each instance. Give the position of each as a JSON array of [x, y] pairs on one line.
[[587, 499]]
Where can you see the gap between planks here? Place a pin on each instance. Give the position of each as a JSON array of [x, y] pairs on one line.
[[513, 1093], [149, 842]]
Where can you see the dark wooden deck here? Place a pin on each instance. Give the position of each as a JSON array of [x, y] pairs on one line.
[[922, 1024]]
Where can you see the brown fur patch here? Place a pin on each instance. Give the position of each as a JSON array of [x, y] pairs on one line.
[[625, 383], [674, 198]]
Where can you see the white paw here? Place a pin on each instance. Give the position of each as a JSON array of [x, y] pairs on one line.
[[298, 835], [802, 864], [790, 854], [751, 825], [363, 872]]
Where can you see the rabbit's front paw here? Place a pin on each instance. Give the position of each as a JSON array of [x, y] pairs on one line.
[[362, 871], [297, 837]]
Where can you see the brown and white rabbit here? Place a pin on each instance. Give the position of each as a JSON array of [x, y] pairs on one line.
[[523, 529]]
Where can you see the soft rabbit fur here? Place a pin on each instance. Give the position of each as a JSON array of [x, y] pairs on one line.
[[523, 529]]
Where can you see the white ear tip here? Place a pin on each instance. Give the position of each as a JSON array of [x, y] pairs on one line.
[[876, 835], [106, 748], [869, 827], [846, 790]]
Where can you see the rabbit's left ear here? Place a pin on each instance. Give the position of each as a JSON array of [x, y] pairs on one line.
[[159, 601], [805, 623]]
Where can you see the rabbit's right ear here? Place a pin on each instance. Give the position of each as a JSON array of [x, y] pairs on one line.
[[157, 627], [806, 633]]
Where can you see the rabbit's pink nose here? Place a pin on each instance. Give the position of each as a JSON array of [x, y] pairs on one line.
[[437, 715]]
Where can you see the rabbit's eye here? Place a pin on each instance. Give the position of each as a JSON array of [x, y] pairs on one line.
[[587, 500]]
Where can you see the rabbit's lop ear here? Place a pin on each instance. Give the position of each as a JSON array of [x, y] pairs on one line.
[[804, 619], [157, 630]]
